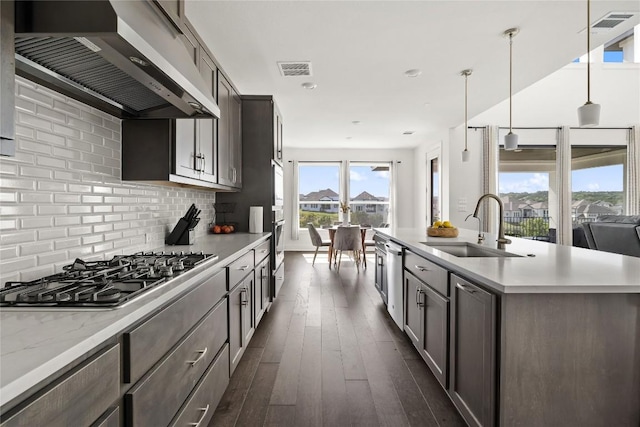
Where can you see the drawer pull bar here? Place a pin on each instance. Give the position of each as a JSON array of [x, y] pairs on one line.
[[243, 268], [204, 415], [421, 268], [243, 299], [465, 288], [201, 354]]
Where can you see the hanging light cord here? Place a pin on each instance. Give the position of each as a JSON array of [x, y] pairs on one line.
[[510, 79], [466, 77], [588, 52]]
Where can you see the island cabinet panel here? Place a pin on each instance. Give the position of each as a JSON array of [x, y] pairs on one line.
[[201, 404], [570, 360], [147, 343], [78, 399], [155, 399], [111, 418], [472, 384], [427, 324]]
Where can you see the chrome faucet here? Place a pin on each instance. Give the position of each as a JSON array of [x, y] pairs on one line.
[[480, 233], [501, 239]]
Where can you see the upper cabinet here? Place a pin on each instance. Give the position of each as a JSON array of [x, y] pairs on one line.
[[174, 10], [229, 134], [7, 80], [200, 152]]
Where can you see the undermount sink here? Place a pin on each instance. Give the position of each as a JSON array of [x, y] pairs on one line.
[[469, 250]]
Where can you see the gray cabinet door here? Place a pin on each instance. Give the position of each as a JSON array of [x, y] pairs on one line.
[[206, 138], [262, 289], [185, 148], [413, 317], [277, 135], [225, 93], [236, 139], [174, 10], [235, 327], [435, 338], [248, 309], [473, 347]]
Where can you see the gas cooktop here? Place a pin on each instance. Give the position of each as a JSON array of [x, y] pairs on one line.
[[101, 284]]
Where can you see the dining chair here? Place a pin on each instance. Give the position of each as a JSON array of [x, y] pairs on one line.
[[368, 243], [317, 241], [348, 239]]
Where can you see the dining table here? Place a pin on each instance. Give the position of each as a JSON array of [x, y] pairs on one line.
[[332, 234]]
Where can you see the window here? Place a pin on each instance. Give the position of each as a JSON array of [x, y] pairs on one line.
[[369, 185], [525, 184], [319, 200], [597, 182], [322, 189]]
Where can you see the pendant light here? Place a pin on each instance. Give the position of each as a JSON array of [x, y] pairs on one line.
[[511, 139], [589, 113], [465, 153]]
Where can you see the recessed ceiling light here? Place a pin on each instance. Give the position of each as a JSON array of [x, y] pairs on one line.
[[356, 122], [408, 132], [349, 137], [309, 85], [427, 104], [414, 72]]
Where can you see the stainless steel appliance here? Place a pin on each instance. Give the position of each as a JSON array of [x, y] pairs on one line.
[[394, 283], [278, 185], [100, 284], [122, 57]]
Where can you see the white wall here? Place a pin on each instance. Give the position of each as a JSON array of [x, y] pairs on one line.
[[405, 190], [551, 102]]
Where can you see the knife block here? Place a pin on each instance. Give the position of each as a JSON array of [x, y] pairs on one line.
[[187, 238], [180, 234]]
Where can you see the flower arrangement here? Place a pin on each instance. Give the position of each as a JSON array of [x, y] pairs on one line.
[[344, 207]]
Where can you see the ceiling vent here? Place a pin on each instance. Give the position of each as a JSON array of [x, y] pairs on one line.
[[610, 21], [294, 68]]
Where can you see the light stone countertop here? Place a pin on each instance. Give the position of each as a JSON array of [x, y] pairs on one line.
[[36, 343], [552, 268]]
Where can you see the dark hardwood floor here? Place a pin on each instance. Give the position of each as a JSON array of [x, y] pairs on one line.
[[329, 354]]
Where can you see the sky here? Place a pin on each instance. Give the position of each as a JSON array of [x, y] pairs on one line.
[[314, 178], [605, 178]]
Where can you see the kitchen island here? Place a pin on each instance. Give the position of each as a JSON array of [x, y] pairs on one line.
[[546, 336], [39, 346]]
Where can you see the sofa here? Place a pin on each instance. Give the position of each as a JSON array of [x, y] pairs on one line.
[[619, 234]]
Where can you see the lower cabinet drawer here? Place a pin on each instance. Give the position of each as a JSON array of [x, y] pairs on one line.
[[147, 343], [78, 399], [156, 398], [111, 418], [262, 251], [201, 405], [239, 269], [430, 273]]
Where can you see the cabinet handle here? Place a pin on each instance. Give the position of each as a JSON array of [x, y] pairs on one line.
[[204, 163], [243, 268], [420, 302], [465, 288], [422, 268], [201, 354], [418, 297], [243, 297], [202, 417]]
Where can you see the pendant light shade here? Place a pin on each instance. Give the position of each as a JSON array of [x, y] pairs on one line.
[[589, 113], [511, 139], [466, 155]]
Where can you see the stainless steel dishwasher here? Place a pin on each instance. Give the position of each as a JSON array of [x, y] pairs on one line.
[[394, 282]]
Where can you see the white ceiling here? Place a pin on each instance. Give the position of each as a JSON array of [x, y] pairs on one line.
[[360, 50]]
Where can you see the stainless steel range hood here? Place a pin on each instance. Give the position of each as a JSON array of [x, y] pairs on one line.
[[122, 57]]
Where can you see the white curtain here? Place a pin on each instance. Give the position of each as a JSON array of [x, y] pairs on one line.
[[563, 187], [393, 175], [633, 171], [490, 155], [295, 222]]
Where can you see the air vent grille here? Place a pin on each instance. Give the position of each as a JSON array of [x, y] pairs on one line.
[[610, 21], [69, 58], [294, 68]]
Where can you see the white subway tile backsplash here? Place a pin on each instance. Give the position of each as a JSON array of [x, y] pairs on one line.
[[52, 233], [36, 222], [66, 130], [36, 248], [66, 198], [62, 196], [52, 210]]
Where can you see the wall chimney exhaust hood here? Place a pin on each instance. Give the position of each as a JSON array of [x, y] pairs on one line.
[[121, 57]]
